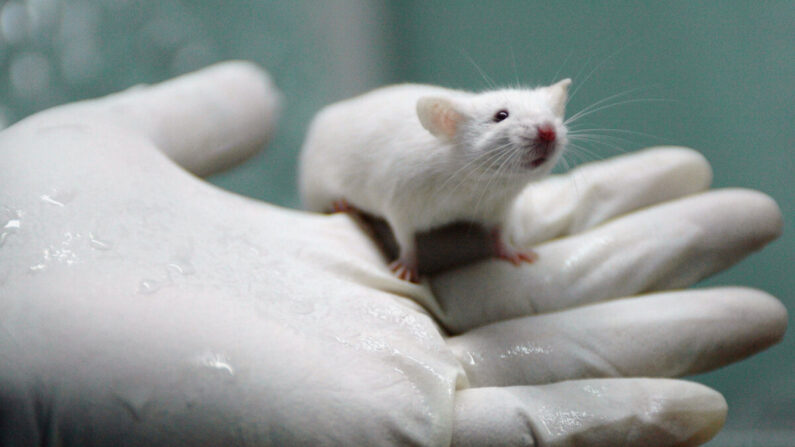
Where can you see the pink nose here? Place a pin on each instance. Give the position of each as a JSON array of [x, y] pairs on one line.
[[546, 133]]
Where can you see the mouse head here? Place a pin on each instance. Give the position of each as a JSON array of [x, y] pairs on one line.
[[524, 124]]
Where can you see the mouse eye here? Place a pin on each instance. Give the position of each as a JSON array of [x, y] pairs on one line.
[[501, 115]]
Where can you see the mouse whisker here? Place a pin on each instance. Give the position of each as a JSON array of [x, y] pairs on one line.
[[602, 140], [501, 162], [596, 131], [602, 101], [483, 165], [607, 138], [581, 154], [489, 81], [613, 143], [583, 113], [582, 83], [464, 173]]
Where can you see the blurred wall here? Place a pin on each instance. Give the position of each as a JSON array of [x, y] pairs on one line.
[[719, 77], [53, 51]]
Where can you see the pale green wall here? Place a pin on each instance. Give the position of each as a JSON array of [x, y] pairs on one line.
[[726, 69]]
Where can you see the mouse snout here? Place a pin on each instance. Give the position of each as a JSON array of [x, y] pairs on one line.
[[546, 133], [542, 146]]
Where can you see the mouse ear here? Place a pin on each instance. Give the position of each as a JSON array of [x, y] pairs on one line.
[[560, 94], [439, 116]]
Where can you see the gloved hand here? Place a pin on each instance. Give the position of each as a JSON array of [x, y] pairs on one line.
[[140, 305]]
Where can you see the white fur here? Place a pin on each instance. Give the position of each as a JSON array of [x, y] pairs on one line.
[[409, 153]]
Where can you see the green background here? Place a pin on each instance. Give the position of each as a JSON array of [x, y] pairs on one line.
[[715, 76]]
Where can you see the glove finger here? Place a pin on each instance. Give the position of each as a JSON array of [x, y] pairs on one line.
[[205, 121], [209, 120], [599, 412], [595, 192], [662, 335], [668, 246]]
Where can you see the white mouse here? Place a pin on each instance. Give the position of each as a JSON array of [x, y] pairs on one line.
[[422, 156]]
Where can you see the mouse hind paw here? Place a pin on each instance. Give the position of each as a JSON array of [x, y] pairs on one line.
[[405, 270], [505, 251], [517, 257]]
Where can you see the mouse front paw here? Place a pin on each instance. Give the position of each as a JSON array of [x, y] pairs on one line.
[[342, 206], [504, 251]]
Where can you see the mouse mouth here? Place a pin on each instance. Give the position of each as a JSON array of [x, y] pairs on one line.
[[538, 162], [534, 162], [537, 155]]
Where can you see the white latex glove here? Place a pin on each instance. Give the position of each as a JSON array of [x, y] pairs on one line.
[[140, 305]]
